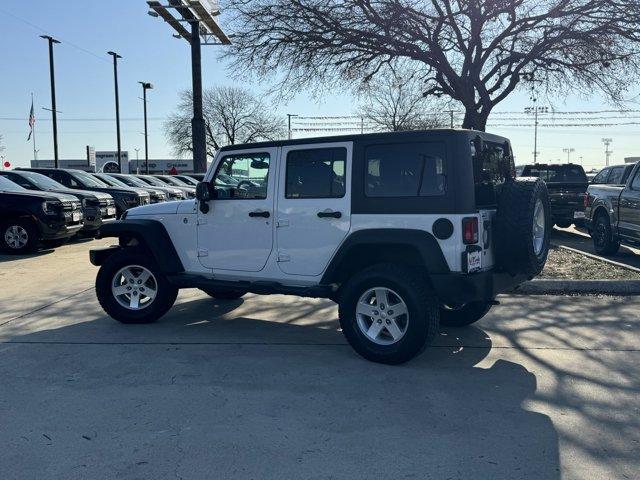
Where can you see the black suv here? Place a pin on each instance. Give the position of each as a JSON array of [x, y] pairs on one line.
[[28, 217], [98, 208], [79, 180], [156, 195]]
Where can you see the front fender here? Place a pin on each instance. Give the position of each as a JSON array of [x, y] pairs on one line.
[[148, 235]]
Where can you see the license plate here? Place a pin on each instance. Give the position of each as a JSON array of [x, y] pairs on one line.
[[111, 211], [578, 215], [75, 216], [474, 261]]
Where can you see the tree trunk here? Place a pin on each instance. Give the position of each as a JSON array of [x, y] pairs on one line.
[[475, 120]]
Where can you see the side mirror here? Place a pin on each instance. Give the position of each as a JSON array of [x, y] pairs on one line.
[[204, 191]]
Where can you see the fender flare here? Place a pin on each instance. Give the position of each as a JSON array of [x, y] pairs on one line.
[[151, 235], [424, 242]]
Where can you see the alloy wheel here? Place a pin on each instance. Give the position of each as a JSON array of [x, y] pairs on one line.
[[16, 237], [134, 287], [382, 316]]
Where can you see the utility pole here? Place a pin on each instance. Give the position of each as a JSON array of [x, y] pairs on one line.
[[54, 112], [33, 130], [568, 151], [145, 86], [607, 143], [115, 79], [289, 116], [451, 112]]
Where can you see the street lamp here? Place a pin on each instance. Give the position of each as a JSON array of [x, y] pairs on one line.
[[145, 86], [607, 143], [536, 110], [568, 151], [115, 79], [54, 112], [200, 18]]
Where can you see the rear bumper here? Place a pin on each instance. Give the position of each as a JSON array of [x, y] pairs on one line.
[[456, 289]]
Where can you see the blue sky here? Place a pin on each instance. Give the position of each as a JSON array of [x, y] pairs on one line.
[[84, 85]]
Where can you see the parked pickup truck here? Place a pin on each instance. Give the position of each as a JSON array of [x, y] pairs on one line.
[[613, 214], [567, 185]]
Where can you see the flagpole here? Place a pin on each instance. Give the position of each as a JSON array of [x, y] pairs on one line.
[[33, 133]]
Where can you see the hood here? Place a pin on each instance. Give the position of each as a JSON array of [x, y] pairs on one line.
[[164, 208], [83, 193], [44, 195]]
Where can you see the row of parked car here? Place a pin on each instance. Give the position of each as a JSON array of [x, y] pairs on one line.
[[47, 206], [608, 206]]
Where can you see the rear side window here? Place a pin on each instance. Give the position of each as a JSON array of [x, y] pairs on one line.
[[405, 170], [316, 173], [636, 181], [616, 176], [601, 177], [491, 168]]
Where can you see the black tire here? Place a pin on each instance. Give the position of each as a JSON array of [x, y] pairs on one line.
[[413, 288], [164, 299], [514, 227], [28, 228], [564, 224], [603, 241], [466, 316], [224, 293]]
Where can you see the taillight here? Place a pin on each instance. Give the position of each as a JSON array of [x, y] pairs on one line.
[[470, 230]]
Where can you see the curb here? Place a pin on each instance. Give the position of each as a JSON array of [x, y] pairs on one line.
[[579, 287]]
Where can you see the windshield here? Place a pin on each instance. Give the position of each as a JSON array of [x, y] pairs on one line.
[[189, 180], [42, 181], [153, 181], [557, 173], [87, 180], [174, 181], [112, 181], [8, 186]]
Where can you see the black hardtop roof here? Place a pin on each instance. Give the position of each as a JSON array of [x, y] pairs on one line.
[[543, 165], [415, 135]]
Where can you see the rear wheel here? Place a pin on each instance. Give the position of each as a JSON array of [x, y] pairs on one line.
[[19, 236], [465, 316], [224, 293], [603, 241], [388, 313], [131, 288]]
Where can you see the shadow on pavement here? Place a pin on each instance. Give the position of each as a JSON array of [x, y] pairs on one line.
[[214, 387]]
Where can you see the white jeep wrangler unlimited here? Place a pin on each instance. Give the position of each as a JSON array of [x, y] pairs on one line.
[[404, 231]]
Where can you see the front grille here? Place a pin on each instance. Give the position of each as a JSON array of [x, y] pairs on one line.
[[107, 202], [70, 206]]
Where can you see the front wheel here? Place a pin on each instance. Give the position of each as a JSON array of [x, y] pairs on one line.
[[467, 315], [603, 241], [19, 236], [388, 313], [131, 288]]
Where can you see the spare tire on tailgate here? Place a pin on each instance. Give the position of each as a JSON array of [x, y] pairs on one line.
[[523, 226]]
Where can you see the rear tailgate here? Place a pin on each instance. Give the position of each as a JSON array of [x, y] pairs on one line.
[[567, 199]]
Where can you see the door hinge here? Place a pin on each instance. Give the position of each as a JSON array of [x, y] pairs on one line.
[[283, 258], [201, 221], [282, 223], [203, 252]]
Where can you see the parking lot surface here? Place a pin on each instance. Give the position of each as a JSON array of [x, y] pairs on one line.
[[266, 387]]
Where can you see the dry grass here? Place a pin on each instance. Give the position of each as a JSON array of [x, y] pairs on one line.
[[563, 264]]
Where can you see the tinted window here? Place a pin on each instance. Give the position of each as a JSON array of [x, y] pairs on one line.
[[616, 176], [17, 179], [405, 170], [64, 179], [602, 176], [557, 173], [9, 186], [317, 173], [243, 177], [636, 181], [491, 168]]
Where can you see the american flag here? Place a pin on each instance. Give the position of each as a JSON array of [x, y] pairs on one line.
[[32, 121]]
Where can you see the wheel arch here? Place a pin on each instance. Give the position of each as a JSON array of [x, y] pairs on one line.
[[148, 236], [361, 249]]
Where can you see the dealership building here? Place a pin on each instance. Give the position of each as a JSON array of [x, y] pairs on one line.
[[107, 161]]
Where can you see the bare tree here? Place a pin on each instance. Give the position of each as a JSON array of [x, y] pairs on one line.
[[475, 51], [394, 102], [232, 115]]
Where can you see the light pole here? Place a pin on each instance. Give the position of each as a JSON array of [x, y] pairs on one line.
[[607, 143], [145, 86], [115, 79], [568, 151], [54, 112], [202, 25], [536, 110], [289, 117]]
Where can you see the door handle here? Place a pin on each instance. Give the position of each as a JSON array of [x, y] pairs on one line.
[[259, 214], [329, 214]]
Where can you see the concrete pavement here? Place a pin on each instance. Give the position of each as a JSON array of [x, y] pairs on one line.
[[265, 387]]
